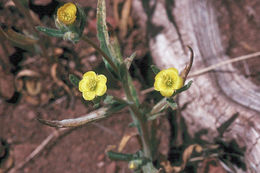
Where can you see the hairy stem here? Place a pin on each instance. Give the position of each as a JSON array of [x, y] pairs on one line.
[[142, 122]]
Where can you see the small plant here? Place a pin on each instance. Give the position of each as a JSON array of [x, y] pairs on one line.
[[70, 23]]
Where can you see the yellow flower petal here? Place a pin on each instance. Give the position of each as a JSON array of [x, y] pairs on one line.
[[101, 89], [102, 79], [167, 92], [89, 95], [159, 79], [172, 74], [89, 74], [173, 70], [83, 85], [160, 75], [178, 83], [159, 84]]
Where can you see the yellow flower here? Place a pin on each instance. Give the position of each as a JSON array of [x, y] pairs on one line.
[[67, 13], [167, 81], [132, 165], [92, 85]]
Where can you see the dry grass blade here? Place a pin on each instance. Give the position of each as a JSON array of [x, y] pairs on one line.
[[27, 73], [33, 87], [85, 119], [115, 11], [147, 90], [124, 18], [37, 150], [125, 139], [187, 69], [19, 38], [58, 81], [187, 153], [212, 67], [159, 106]]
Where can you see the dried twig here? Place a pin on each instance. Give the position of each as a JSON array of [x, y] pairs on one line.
[[147, 90], [39, 149], [124, 18], [88, 118], [187, 69], [212, 67]]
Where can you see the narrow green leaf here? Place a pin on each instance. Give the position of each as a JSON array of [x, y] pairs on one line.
[[155, 69], [135, 122], [225, 125], [184, 88], [96, 105], [132, 124], [51, 32], [74, 80], [97, 101], [114, 48], [126, 78], [109, 99], [133, 90], [101, 24], [102, 32], [115, 107], [120, 156], [103, 37], [123, 73], [82, 18]]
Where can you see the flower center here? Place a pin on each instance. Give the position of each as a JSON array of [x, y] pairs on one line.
[[92, 84], [66, 16], [168, 81], [67, 13]]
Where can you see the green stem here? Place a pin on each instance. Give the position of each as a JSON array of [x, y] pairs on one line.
[[142, 122], [86, 39], [144, 132]]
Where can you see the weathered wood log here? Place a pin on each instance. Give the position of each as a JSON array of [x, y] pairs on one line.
[[215, 96]]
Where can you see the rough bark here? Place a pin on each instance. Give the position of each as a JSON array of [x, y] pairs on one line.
[[215, 96]]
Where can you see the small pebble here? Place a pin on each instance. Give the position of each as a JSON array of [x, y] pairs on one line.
[[100, 164]]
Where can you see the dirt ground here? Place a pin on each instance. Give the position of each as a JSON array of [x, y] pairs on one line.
[[83, 149]]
